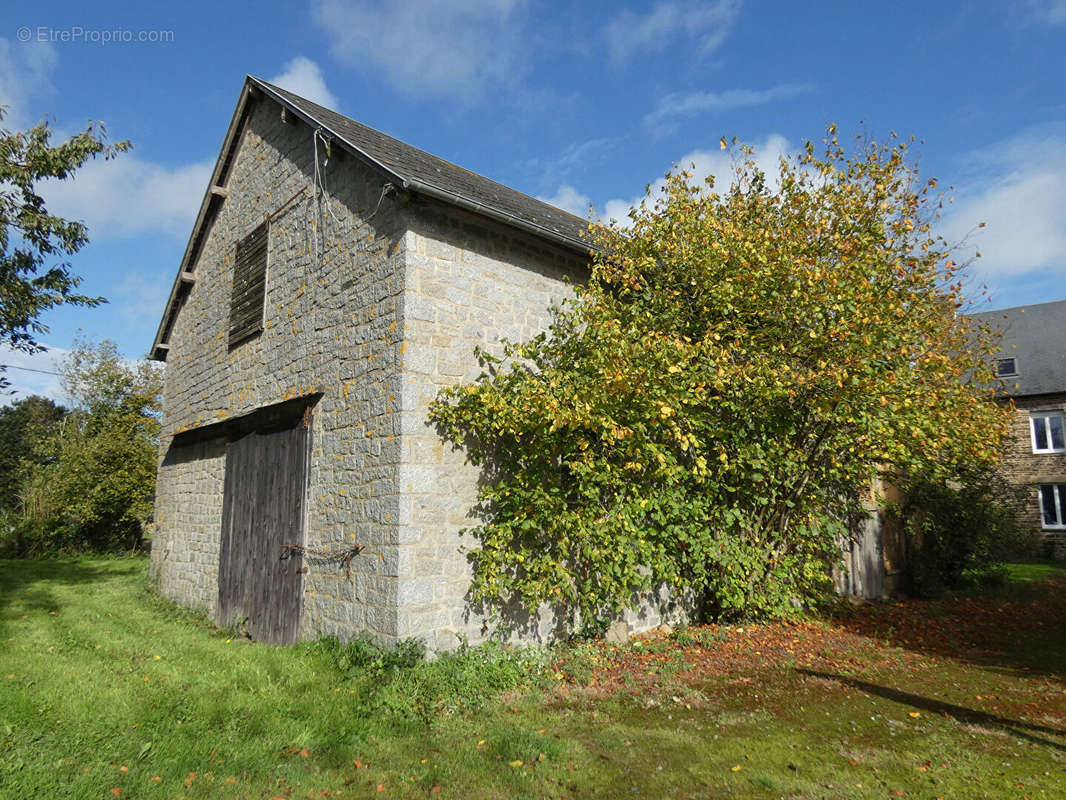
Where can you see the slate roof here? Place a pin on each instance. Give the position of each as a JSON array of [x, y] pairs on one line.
[[1035, 335], [422, 172], [405, 166]]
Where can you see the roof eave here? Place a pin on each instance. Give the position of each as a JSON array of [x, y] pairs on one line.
[[428, 189], [579, 246], [158, 351], [251, 83], [314, 122]]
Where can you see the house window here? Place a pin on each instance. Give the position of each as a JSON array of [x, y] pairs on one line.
[[1052, 505], [1047, 432], [249, 283], [1006, 367]]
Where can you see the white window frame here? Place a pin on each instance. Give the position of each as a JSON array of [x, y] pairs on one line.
[[1043, 418], [1060, 499]]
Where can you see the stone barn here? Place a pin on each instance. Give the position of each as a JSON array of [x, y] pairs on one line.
[[334, 280]]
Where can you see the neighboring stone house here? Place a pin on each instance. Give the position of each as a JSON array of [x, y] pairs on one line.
[[1031, 364], [334, 281]]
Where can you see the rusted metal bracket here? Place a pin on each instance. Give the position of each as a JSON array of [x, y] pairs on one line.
[[323, 556]]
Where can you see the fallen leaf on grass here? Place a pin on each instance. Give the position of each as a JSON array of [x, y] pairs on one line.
[[155, 779], [736, 768], [435, 789], [116, 791], [381, 787], [515, 763], [914, 715]]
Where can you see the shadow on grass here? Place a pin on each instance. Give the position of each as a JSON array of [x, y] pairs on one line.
[[971, 716], [1020, 629], [30, 584]]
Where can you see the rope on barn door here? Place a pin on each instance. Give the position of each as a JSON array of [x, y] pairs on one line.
[[324, 557]]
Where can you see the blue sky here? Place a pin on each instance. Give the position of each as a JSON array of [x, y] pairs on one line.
[[571, 103]]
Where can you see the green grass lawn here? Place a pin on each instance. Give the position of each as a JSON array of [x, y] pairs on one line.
[[107, 691], [1031, 571]]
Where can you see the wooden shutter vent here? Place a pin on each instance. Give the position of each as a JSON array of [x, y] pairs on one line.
[[249, 282]]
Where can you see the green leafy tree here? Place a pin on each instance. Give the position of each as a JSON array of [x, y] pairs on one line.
[[34, 244], [961, 529], [709, 409], [94, 482], [22, 424]]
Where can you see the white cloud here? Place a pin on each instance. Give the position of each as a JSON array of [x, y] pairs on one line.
[[118, 198], [32, 373], [141, 300], [704, 163], [25, 70], [455, 48], [1018, 188], [127, 196], [580, 154], [684, 104], [570, 199], [304, 77], [708, 23], [1047, 12]]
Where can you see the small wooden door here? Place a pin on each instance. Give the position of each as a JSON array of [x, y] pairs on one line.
[[260, 581], [864, 561]]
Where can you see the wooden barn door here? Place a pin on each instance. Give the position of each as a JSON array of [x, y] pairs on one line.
[[259, 578]]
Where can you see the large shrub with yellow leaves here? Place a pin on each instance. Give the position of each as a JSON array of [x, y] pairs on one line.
[[709, 408]]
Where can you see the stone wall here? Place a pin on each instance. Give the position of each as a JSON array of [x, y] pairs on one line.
[[468, 283], [1024, 468], [332, 326], [374, 301], [188, 523]]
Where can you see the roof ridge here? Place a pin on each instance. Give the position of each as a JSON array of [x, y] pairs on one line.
[[414, 169], [406, 144], [1018, 307], [421, 170]]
